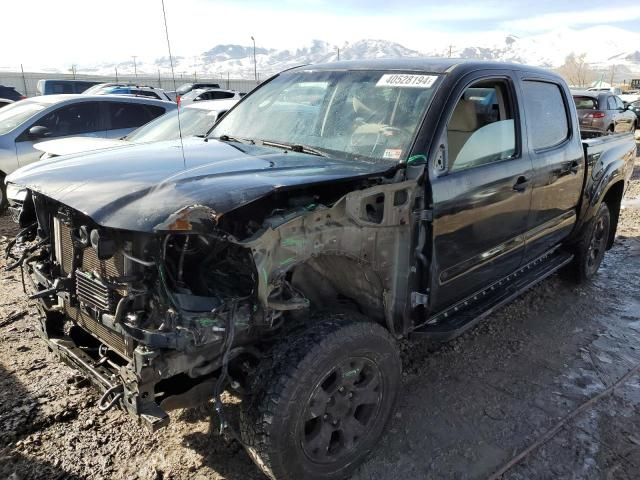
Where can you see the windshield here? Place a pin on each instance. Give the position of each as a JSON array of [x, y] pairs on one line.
[[184, 88], [17, 113], [193, 121], [353, 114]]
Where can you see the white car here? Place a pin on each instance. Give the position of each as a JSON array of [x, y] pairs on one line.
[[195, 119], [202, 94]]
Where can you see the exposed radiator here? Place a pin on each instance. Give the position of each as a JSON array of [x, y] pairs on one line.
[[91, 290]]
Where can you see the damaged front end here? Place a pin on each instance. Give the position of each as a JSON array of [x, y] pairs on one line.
[[162, 319], [143, 315]]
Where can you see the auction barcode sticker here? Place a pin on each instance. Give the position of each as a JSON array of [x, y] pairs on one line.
[[406, 80]]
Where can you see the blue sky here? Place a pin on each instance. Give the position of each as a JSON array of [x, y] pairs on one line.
[[86, 33]]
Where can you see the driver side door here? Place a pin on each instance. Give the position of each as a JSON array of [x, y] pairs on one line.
[[77, 119], [481, 193]]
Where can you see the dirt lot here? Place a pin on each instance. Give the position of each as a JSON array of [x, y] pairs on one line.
[[548, 387]]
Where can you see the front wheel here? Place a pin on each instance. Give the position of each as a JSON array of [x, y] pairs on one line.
[[321, 401], [591, 246]]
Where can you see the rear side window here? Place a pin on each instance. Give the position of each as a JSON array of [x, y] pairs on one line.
[[221, 95], [546, 114], [586, 103], [73, 119], [131, 115], [611, 103]]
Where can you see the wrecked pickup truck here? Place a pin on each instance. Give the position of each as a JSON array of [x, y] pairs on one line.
[[333, 211]]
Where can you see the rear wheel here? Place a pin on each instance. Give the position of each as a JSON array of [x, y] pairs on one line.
[[610, 130], [591, 247], [321, 401]]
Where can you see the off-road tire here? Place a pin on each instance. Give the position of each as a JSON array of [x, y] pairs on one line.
[[3, 195], [283, 409], [590, 247]]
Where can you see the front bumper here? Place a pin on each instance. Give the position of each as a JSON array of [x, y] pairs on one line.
[[143, 383]]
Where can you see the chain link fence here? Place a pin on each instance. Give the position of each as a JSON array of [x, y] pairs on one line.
[[26, 82]]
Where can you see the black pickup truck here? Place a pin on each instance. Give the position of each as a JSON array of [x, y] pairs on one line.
[[333, 211]]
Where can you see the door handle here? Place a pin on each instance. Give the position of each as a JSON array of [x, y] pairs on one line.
[[521, 184]]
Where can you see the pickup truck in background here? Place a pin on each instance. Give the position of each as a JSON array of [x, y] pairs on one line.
[[285, 254]]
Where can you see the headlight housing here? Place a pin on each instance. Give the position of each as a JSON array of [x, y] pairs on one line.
[[16, 193]]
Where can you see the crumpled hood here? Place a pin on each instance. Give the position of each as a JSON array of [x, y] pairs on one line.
[[137, 187], [71, 145]]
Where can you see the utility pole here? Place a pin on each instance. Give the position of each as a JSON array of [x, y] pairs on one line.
[[135, 66], [338, 53], [24, 81], [450, 50], [73, 71], [613, 71], [195, 69], [159, 80], [116, 73], [227, 80], [255, 65]]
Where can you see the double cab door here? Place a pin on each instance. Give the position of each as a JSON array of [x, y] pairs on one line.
[[498, 202]]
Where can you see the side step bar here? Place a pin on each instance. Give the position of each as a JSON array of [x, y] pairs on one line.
[[465, 314]]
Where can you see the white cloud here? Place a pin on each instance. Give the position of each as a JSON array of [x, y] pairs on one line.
[[577, 18]]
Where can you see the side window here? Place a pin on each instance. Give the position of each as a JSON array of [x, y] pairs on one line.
[[129, 115], [546, 112], [73, 119], [481, 129], [221, 95], [203, 96], [619, 104], [611, 103]]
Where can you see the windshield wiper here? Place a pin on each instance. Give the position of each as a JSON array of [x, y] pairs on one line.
[[294, 147], [229, 138]]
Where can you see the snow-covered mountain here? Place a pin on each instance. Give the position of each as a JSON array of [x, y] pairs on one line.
[[604, 46]]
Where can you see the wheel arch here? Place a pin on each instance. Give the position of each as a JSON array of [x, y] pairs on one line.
[[613, 199]]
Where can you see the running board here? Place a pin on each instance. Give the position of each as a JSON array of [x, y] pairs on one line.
[[465, 314]]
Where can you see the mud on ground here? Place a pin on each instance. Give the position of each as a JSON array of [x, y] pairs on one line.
[[541, 382]]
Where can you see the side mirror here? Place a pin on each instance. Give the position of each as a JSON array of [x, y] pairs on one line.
[[38, 132]]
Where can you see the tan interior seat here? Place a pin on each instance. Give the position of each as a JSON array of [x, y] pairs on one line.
[[463, 123]]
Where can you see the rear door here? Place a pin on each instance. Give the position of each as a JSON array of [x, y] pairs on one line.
[[556, 152], [81, 119], [124, 117], [481, 193]]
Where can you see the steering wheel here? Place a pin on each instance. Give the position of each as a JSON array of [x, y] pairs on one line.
[[358, 139]]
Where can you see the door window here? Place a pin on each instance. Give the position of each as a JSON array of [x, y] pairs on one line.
[[131, 115], [481, 129], [74, 119], [619, 104], [221, 95], [546, 112], [611, 103]]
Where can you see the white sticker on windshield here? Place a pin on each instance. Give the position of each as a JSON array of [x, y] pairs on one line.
[[406, 80], [392, 153]]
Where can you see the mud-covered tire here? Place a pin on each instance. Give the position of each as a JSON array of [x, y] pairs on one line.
[[298, 420], [590, 248]]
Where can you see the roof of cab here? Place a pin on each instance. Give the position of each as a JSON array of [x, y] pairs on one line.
[[422, 64]]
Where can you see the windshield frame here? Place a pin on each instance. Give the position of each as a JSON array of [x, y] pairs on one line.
[[340, 154]]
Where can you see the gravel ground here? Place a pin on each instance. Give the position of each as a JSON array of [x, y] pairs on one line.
[[547, 387]]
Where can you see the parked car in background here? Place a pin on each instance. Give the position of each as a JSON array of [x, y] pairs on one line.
[[195, 120], [4, 102], [54, 116], [202, 94], [97, 89], [187, 87], [612, 90], [54, 87], [630, 96], [136, 91], [10, 93], [602, 113], [635, 108]]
